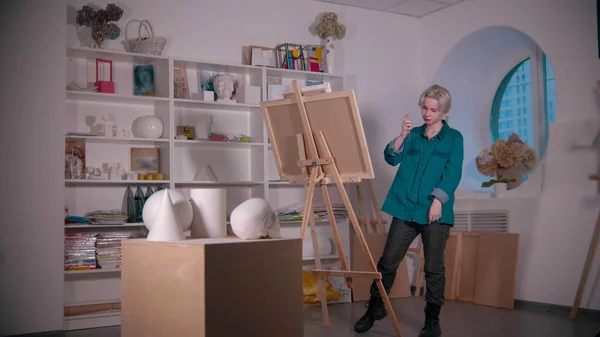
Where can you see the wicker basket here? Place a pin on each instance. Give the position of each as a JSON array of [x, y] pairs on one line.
[[144, 45]]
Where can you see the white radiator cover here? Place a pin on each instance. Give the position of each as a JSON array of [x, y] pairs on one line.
[[481, 220]]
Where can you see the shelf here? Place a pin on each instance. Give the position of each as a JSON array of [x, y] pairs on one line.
[[302, 75], [210, 143], [100, 97], [206, 65], [196, 104], [276, 183], [95, 320], [297, 222], [92, 271], [122, 140], [114, 55], [104, 226], [219, 183], [113, 182]]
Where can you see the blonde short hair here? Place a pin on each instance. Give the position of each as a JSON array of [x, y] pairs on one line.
[[439, 93]]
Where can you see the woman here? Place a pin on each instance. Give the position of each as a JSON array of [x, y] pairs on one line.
[[420, 201]]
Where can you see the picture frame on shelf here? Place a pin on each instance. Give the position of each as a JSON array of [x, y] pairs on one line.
[[75, 159], [143, 80], [180, 83], [145, 160], [261, 56]]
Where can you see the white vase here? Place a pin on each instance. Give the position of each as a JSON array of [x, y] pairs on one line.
[[500, 190], [329, 55], [147, 127]]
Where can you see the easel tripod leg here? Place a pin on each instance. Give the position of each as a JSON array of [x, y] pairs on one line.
[[309, 218], [355, 224], [586, 269], [315, 243]]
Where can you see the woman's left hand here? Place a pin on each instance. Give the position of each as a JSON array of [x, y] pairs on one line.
[[435, 211]]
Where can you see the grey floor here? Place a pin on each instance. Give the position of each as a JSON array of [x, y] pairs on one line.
[[457, 319]]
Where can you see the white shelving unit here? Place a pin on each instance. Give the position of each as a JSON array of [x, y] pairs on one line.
[[245, 169]]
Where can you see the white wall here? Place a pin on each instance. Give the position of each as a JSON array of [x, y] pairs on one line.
[[32, 105], [555, 227]]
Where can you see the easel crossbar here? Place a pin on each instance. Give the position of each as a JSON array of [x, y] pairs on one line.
[[314, 162]]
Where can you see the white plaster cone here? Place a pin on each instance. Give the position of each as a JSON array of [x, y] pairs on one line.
[[165, 226]]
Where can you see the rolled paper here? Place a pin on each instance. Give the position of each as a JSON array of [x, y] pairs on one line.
[[210, 213], [165, 227]]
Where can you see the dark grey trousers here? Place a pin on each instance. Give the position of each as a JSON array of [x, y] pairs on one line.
[[399, 238]]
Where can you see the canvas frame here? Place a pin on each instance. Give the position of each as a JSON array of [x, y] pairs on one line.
[[337, 115]]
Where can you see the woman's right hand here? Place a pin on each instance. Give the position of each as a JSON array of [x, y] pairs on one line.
[[406, 126]]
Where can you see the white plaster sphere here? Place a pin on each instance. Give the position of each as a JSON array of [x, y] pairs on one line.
[[255, 219], [181, 205]]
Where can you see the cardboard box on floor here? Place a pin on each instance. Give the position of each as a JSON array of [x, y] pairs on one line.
[[488, 268], [212, 287], [485, 275]]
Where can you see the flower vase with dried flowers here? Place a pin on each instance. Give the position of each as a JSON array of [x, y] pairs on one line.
[[508, 160], [329, 29], [101, 22]]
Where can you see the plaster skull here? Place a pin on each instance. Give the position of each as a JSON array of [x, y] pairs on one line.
[[224, 85], [255, 219]]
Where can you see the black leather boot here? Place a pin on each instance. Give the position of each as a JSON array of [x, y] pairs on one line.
[[375, 311], [432, 321]]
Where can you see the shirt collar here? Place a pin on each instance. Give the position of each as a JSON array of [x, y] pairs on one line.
[[440, 134]]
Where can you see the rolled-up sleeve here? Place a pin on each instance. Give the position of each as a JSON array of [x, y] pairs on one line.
[[393, 157]]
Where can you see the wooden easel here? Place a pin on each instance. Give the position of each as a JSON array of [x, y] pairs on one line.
[[321, 169], [588, 260]]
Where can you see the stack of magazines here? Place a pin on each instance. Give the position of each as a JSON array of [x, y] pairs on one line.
[[80, 251], [108, 247], [106, 217]]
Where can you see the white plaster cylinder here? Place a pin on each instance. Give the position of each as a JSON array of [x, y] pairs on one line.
[[210, 212]]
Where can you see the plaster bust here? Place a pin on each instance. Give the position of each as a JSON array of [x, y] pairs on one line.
[[224, 85]]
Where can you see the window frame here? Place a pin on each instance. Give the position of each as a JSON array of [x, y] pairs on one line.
[[539, 97]]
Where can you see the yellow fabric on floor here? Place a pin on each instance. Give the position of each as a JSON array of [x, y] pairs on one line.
[[310, 287]]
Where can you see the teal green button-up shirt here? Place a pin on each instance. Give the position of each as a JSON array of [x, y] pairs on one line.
[[429, 168]]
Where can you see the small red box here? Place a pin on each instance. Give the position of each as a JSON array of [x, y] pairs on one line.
[[104, 86]]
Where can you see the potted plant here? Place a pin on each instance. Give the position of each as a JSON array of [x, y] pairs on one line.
[[329, 29], [100, 21], [507, 161]]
